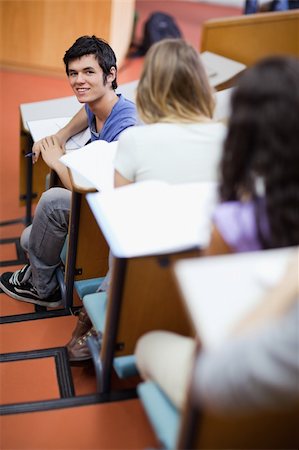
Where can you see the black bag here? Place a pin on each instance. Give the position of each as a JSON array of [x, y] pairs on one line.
[[159, 26]]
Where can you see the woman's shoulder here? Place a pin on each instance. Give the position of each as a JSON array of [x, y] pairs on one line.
[[211, 130], [142, 130], [167, 130]]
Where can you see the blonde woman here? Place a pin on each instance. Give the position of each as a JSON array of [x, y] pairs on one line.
[[179, 141]]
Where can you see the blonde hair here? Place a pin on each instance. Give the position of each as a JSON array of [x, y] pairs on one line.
[[174, 86]]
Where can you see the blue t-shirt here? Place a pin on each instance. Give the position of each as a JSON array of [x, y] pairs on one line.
[[122, 116]]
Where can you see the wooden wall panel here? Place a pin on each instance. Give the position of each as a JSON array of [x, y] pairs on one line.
[[121, 29], [35, 34]]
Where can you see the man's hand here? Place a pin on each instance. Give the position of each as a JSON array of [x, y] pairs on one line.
[[78, 123], [39, 145], [51, 150]]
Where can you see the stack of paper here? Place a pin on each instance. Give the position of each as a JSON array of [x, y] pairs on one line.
[[93, 164], [220, 291], [153, 217]]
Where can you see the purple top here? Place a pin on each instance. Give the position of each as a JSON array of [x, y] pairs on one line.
[[236, 223]]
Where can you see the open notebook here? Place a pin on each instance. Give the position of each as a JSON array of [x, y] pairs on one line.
[[46, 127], [154, 217], [219, 291], [219, 68]]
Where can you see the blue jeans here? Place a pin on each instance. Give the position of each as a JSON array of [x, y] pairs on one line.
[[44, 239]]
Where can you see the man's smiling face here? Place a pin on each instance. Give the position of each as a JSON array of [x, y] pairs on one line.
[[86, 78]]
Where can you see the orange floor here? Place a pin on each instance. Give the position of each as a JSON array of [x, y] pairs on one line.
[[120, 425], [117, 425]]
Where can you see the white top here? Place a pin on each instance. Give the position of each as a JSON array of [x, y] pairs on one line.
[[175, 153], [258, 370]]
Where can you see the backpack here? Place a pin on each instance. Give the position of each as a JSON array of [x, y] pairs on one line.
[[159, 26]]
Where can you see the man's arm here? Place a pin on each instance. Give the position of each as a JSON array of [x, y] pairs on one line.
[[78, 123], [51, 151]]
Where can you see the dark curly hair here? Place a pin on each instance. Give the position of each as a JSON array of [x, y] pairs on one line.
[[263, 143], [91, 45]]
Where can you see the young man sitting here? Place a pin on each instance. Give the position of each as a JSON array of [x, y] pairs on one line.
[[91, 69]]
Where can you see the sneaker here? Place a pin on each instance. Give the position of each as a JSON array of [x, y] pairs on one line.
[[18, 286]]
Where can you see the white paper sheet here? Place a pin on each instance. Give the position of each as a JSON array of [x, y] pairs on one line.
[[154, 217], [46, 127], [220, 69], [219, 291], [94, 164]]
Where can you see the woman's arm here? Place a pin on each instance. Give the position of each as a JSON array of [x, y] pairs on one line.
[[125, 165], [119, 180]]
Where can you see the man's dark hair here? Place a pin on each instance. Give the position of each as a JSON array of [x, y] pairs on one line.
[[91, 45]]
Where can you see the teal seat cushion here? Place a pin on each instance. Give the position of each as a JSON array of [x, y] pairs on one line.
[[125, 366], [83, 287], [95, 305], [163, 415], [89, 286]]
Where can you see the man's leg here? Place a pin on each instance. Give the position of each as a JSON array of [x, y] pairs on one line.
[[24, 239], [36, 283], [47, 236]]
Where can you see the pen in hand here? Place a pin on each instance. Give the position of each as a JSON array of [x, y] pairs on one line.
[[29, 154]]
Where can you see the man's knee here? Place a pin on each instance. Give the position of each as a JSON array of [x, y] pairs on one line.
[[55, 198], [24, 239]]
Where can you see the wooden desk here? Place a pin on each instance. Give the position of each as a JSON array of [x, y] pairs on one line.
[[248, 38], [32, 178], [87, 250], [146, 236]]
